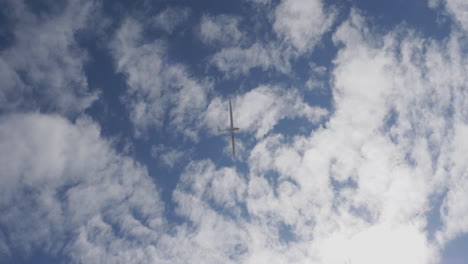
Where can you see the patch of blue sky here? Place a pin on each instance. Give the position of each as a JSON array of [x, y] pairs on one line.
[[434, 220], [455, 251], [286, 233], [291, 127], [414, 14], [7, 36]]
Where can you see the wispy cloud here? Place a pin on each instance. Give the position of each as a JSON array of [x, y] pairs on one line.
[[166, 155], [156, 86], [43, 68], [220, 30], [260, 109], [170, 18], [458, 9], [298, 25]]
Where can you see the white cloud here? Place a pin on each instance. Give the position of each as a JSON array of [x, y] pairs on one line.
[[234, 61], [170, 18], [459, 9], [220, 30], [43, 68], [202, 192], [62, 184], [156, 87], [454, 210], [260, 109], [362, 184], [317, 78], [302, 23], [381, 243]]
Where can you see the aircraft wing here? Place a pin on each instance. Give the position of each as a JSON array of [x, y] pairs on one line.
[[233, 145], [232, 122]]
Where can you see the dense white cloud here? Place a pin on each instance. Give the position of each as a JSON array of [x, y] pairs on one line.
[[156, 86], [43, 67], [64, 189]]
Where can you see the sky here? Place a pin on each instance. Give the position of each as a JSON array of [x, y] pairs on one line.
[[353, 120]]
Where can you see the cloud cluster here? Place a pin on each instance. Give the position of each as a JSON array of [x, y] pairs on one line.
[[65, 190], [43, 67], [156, 86], [260, 109], [458, 10], [363, 184], [302, 23], [297, 27]]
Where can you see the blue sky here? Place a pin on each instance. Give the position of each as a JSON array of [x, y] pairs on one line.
[[351, 147]]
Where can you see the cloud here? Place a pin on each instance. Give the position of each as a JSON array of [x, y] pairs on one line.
[[406, 99], [43, 67], [235, 61], [260, 2], [302, 23], [455, 208], [260, 109], [170, 18], [317, 79], [220, 30], [156, 86], [368, 175], [457, 8], [65, 191], [299, 25], [166, 155]]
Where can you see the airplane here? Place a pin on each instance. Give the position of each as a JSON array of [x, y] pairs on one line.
[[231, 129]]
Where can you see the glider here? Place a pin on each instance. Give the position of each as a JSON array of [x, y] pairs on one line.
[[231, 129]]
